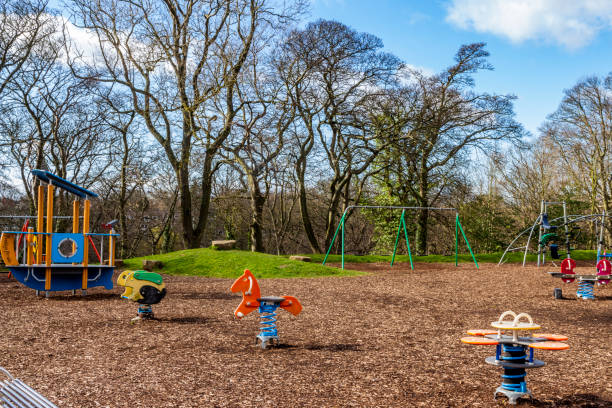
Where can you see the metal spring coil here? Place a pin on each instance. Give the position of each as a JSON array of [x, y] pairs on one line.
[[145, 309], [267, 326], [516, 376], [585, 290]]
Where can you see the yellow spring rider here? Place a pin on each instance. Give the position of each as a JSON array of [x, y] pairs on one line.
[[145, 288]]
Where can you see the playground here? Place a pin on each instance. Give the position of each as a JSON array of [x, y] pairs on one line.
[[386, 338], [259, 203]]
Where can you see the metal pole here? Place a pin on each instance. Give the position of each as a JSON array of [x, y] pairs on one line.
[[86, 207], [407, 242], [40, 224], [567, 234], [111, 250], [542, 212], [334, 238], [466, 241], [342, 242], [600, 242], [399, 226], [395, 207], [49, 237]]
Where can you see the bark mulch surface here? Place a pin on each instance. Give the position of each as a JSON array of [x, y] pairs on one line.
[[388, 339]]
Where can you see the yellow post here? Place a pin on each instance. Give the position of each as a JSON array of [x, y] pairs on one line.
[[30, 243], [75, 220], [40, 224], [111, 248], [86, 245], [49, 232]]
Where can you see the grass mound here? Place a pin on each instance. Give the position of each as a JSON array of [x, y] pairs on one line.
[[230, 264]]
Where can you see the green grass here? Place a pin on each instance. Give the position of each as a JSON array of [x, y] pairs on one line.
[[514, 257], [230, 264]]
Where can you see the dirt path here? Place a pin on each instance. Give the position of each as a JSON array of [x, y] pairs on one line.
[[388, 339]]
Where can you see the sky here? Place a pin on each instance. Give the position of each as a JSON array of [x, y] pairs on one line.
[[538, 48]]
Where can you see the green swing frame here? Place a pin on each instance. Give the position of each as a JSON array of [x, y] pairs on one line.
[[402, 223]]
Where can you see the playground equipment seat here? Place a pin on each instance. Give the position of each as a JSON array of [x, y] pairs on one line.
[[14, 393]]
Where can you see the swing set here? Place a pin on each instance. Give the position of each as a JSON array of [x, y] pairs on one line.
[[401, 224]]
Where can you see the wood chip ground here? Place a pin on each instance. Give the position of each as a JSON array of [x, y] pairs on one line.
[[388, 339]]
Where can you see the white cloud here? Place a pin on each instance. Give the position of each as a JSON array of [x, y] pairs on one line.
[[570, 23]]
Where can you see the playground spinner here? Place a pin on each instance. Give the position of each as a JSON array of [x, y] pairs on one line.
[[53, 261], [267, 306], [515, 345]]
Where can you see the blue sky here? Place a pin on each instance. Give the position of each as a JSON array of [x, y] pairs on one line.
[[538, 47]]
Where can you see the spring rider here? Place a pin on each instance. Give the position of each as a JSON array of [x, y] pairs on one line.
[[145, 288], [251, 300], [513, 338], [586, 282]]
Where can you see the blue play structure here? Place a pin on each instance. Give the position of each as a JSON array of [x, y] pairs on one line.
[[55, 261]]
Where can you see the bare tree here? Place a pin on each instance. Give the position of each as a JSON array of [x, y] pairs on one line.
[[177, 59], [63, 131], [582, 130], [259, 139], [331, 72], [23, 25], [446, 122]]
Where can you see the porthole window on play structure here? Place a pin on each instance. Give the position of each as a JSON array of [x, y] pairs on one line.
[[67, 247]]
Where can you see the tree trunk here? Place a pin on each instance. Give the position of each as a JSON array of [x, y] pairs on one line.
[[257, 205], [421, 231], [312, 239], [123, 243], [336, 192]]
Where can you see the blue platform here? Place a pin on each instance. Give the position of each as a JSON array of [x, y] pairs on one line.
[[63, 277]]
